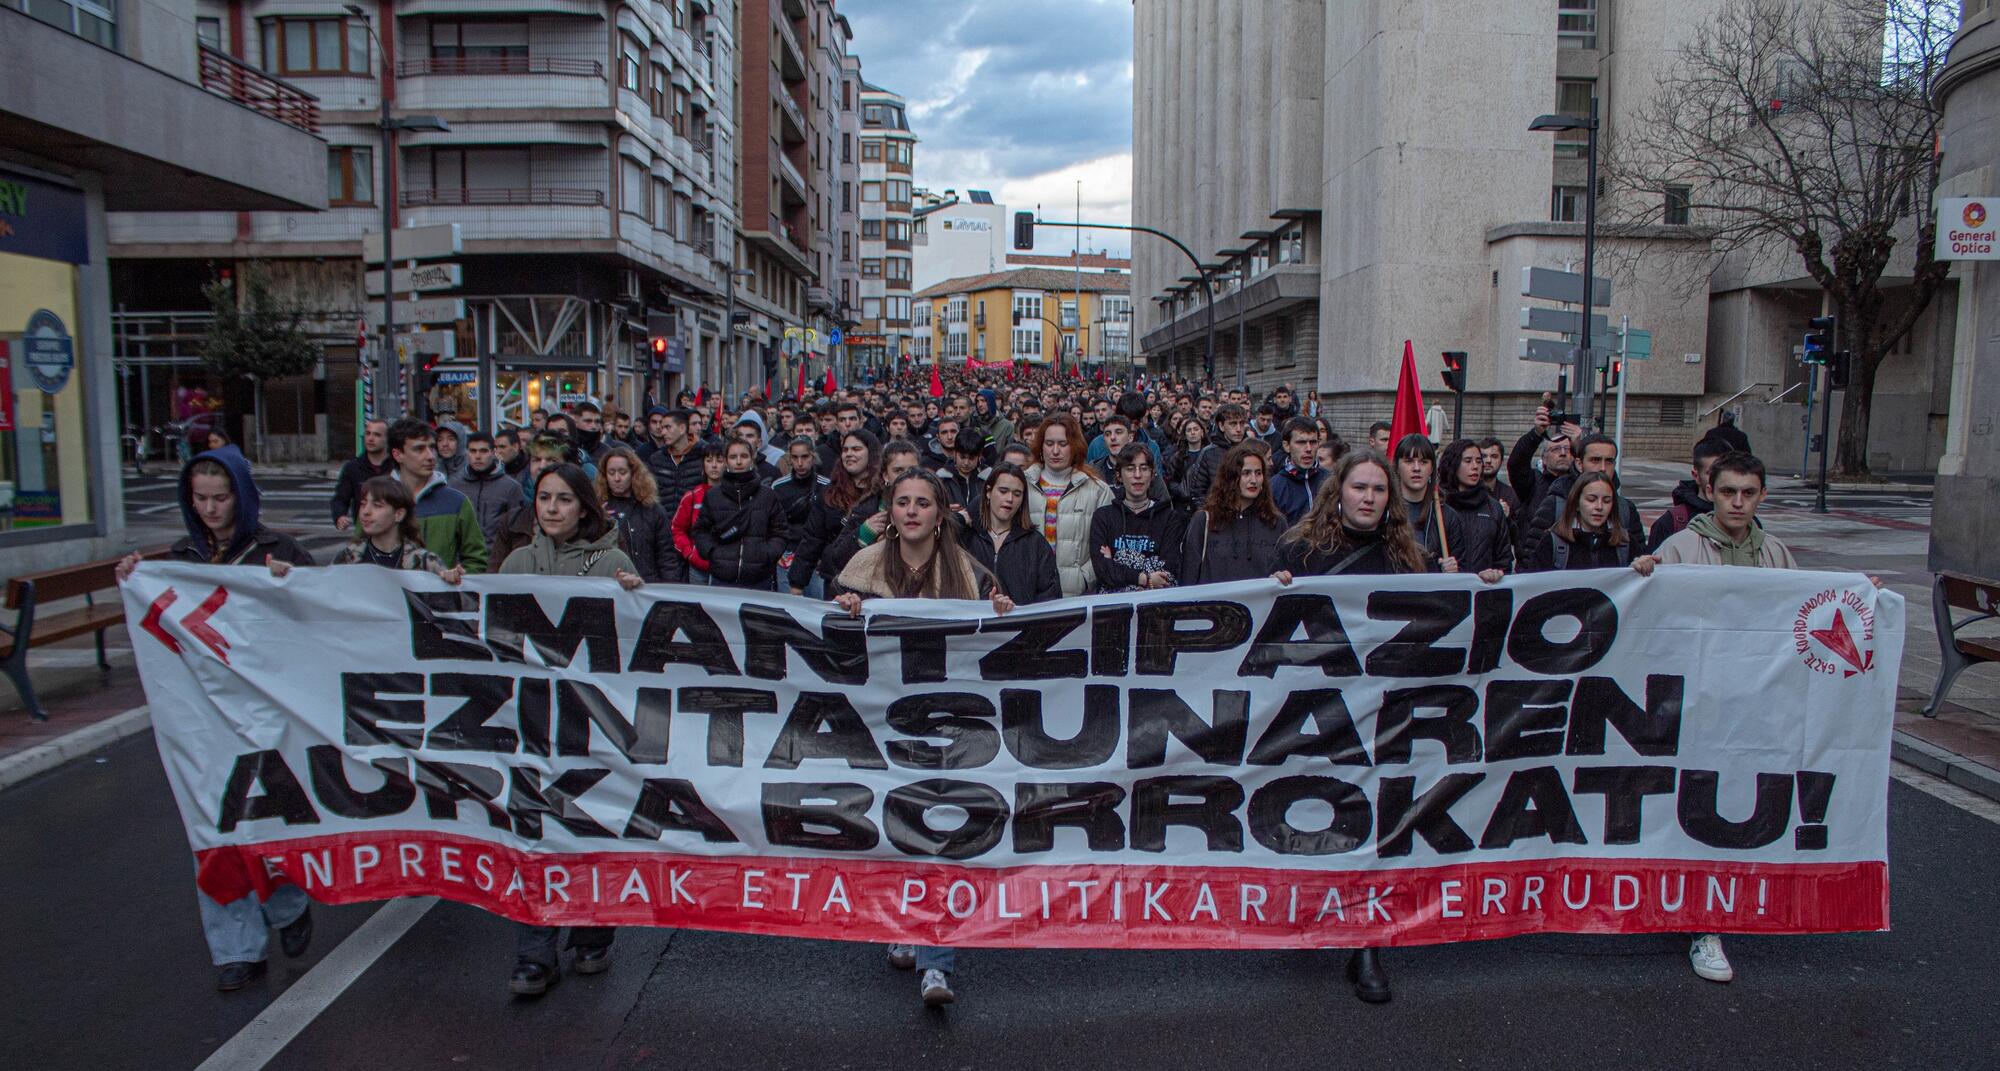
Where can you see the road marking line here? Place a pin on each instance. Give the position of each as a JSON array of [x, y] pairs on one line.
[[265, 1036], [1970, 802]]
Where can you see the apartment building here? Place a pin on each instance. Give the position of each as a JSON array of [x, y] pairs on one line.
[[887, 194], [109, 111], [589, 164], [1360, 176], [1035, 316], [956, 236]]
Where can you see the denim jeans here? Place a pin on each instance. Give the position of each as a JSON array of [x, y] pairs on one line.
[[239, 931], [937, 959], [816, 587], [537, 944]]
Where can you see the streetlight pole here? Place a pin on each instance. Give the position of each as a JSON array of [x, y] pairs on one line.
[[1206, 278], [728, 377], [1581, 396], [390, 367]]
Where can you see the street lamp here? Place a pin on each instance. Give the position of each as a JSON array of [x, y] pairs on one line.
[[728, 377], [387, 362], [1588, 124]]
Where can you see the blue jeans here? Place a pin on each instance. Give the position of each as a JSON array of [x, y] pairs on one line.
[[239, 931], [937, 959], [816, 587]]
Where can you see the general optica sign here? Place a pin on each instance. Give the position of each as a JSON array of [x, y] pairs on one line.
[[1967, 229]]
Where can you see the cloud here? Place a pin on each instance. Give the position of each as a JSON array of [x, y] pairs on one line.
[[1023, 98]]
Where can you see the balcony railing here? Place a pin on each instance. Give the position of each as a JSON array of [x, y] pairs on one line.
[[230, 77], [538, 195], [489, 65]]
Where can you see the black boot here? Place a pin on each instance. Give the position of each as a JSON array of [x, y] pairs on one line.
[[297, 937], [234, 976], [531, 979], [1371, 982]]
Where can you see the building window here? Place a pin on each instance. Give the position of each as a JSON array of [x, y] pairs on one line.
[[1566, 204], [847, 197], [871, 192], [899, 191], [630, 63], [896, 269], [1292, 245], [846, 246], [847, 148], [1028, 309], [479, 40], [90, 19], [871, 151], [871, 268], [1678, 203], [920, 314], [680, 99], [871, 230], [632, 189], [656, 91], [1576, 23], [304, 47], [1027, 341], [871, 308], [350, 176], [208, 31]]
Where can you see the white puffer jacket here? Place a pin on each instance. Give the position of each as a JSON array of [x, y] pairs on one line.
[[1080, 501]]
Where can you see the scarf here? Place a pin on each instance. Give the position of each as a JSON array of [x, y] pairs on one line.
[[1749, 552]]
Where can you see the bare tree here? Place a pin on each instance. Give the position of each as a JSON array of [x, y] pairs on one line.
[[1807, 129]]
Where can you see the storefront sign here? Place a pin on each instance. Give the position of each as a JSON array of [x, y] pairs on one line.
[[6, 385], [37, 509], [676, 356], [41, 220], [1967, 229], [48, 351]]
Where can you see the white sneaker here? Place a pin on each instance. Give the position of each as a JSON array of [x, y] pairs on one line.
[[1707, 958], [902, 957], [935, 986]]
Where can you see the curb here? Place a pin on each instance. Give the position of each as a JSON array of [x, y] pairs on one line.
[[42, 758], [1969, 775]]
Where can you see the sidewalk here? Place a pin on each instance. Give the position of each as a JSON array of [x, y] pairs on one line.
[[89, 708]]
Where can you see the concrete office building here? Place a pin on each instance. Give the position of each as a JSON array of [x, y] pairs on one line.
[[107, 110], [1965, 528], [1365, 175], [590, 167], [888, 155], [956, 236]]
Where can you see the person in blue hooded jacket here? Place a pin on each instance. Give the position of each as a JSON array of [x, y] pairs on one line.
[[219, 505]]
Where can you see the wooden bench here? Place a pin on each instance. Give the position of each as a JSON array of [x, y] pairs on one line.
[[26, 593], [1956, 591]]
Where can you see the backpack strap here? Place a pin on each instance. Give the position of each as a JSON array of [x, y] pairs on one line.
[[1561, 551]]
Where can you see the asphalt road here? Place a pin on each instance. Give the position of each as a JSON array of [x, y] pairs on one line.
[[109, 971]]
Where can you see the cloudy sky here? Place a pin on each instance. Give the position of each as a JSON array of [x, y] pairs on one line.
[[1024, 98]]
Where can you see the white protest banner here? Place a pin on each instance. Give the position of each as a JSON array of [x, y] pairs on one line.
[[1340, 762]]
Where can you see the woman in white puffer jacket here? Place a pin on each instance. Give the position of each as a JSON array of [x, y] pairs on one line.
[[1063, 495]]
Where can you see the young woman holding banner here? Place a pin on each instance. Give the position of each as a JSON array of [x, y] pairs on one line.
[[573, 537], [1234, 536], [1000, 539], [1357, 527], [918, 558]]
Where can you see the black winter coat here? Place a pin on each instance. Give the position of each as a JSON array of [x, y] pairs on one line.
[[1550, 507], [647, 534], [676, 478], [820, 530], [263, 546], [1479, 532], [741, 531], [1589, 550], [1296, 557], [1125, 543], [1242, 551], [795, 499], [1024, 566]]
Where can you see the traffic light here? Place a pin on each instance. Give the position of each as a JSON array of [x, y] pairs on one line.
[[1819, 339], [1613, 372], [1024, 230], [1839, 369], [1454, 371], [660, 328]]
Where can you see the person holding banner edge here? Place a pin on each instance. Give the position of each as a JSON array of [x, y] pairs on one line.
[[573, 537], [219, 504], [918, 558], [1357, 527]]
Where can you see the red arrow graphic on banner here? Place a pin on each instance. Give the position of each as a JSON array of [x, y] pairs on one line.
[[152, 622], [1841, 642], [197, 624]]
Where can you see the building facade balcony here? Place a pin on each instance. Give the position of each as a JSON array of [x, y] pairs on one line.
[[791, 58], [791, 117], [534, 195], [276, 98], [488, 66], [794, 182]]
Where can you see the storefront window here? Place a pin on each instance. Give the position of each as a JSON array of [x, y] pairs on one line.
[[44, 461]]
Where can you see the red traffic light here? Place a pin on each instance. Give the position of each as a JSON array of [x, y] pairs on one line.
[[1454, 370], [659, 345]]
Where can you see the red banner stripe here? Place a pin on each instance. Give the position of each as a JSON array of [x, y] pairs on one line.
[[1083, 905]]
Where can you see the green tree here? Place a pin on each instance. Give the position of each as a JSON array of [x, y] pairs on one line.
[[256, 336]]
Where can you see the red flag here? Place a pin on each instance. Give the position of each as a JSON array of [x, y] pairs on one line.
[[1100, 373], [1409, 415], [1075, 372], [701, 396], [767, 388], [828, 389], [937, 383], [800, 393], [1010, 371]]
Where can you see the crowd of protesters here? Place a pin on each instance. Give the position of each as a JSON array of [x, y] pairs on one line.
[[1011, 488]]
